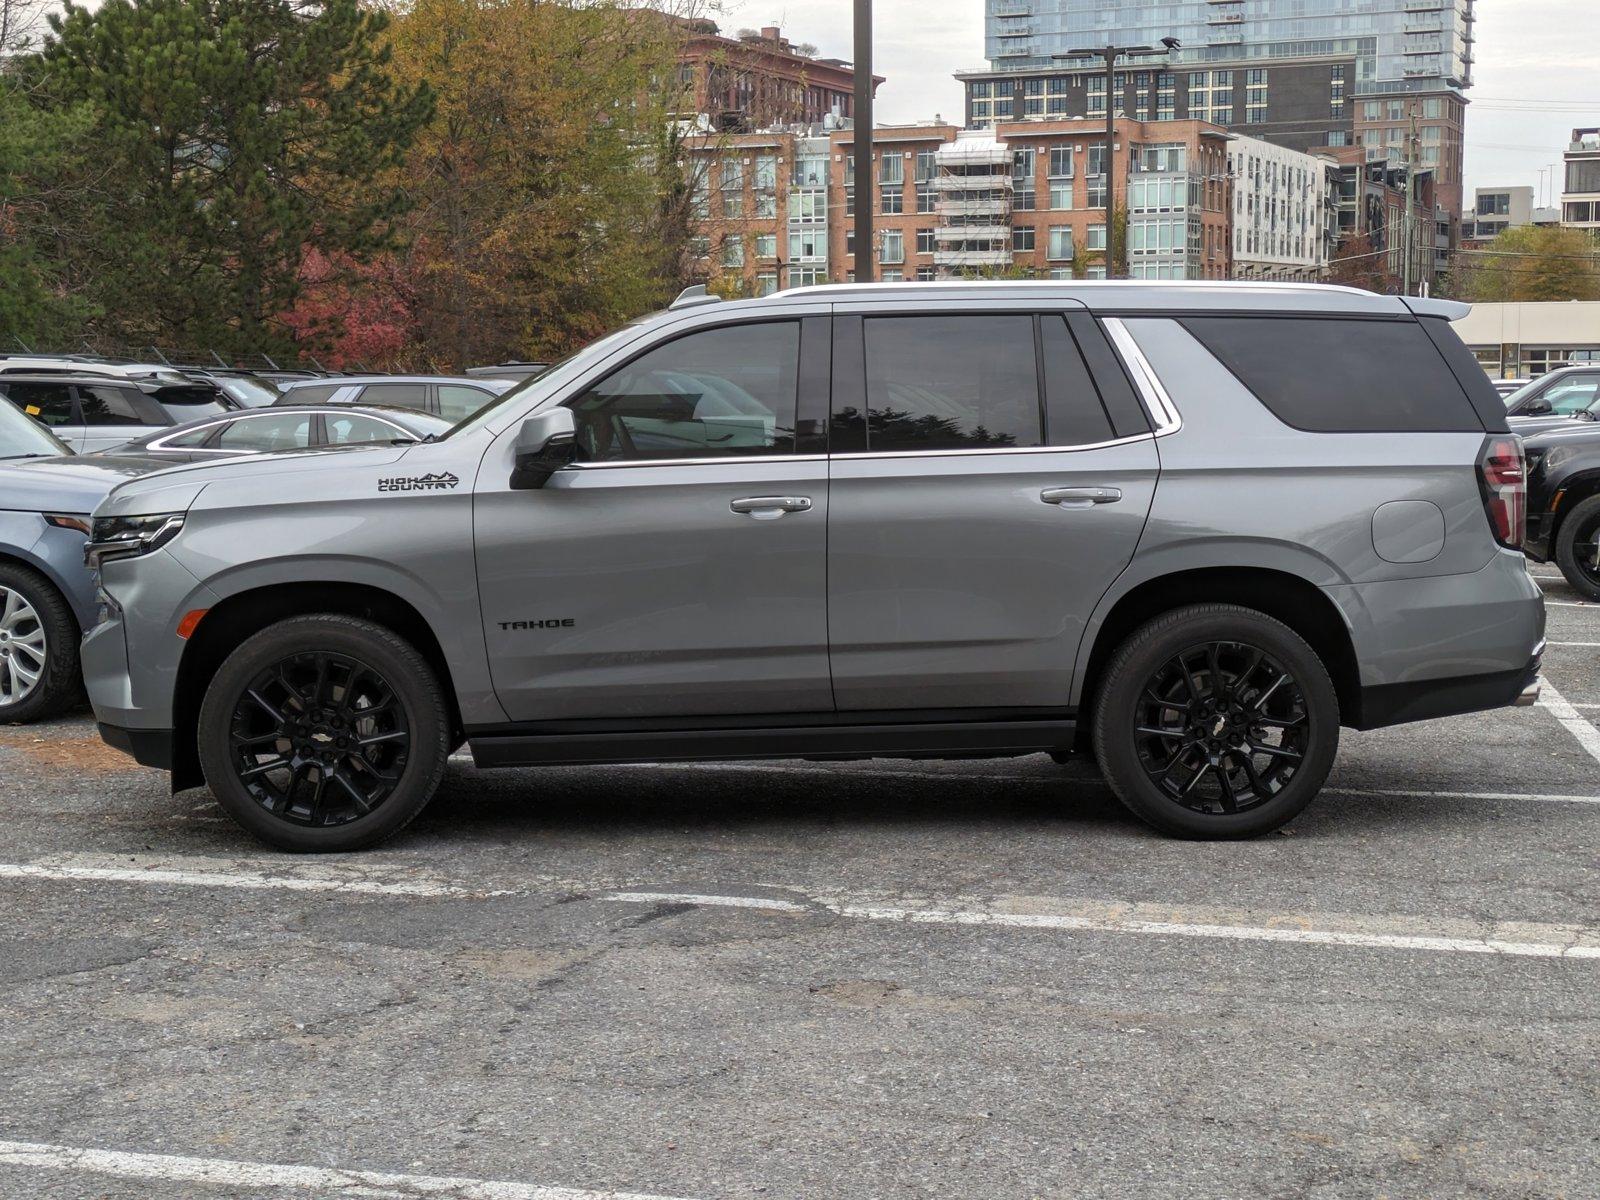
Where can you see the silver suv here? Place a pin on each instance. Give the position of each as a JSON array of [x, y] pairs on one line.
[[1192, 529]]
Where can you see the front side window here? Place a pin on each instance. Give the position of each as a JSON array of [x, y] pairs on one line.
[[951, 383], [288, 431], [47, 403], [1574, 396], [728, 392], [400, 395]]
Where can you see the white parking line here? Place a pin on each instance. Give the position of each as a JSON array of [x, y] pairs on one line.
[[1588, 736], [1534, 797], [181, 871], [326, 1181], [1570, 604], [1576, 645], [1385, 933]]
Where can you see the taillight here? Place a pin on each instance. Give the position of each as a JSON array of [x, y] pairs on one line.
[[1503, 476]]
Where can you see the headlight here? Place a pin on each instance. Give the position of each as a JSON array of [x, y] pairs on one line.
[[129, 537]]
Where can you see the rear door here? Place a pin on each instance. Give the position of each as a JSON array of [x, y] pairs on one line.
[[986, 488], [112, 414]]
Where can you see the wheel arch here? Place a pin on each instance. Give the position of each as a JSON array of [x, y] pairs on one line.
[[1574, 490], [16, 556], [1291, 599], [247, 612]]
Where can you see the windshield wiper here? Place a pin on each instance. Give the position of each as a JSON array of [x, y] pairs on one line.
[[7, 457]]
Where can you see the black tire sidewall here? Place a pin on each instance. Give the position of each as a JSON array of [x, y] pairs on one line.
[[402, 668], [62, 683], [1155, 644], [1566, 553]]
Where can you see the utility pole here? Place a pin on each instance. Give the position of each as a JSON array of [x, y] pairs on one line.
[[866, 267], [1409, 267]]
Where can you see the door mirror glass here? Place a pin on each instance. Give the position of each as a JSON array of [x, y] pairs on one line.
[[546, 443], [1538, 408]]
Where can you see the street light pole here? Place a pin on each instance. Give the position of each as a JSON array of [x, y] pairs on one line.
[[865, 267], [1110, 54]]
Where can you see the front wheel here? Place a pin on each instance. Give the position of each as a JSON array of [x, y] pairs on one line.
[[1216, 721], [1578, 548], [324, 733], [38, 647]]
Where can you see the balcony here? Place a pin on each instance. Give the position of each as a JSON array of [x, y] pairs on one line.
[[959, 259], [973, 233], [1000, 181], [997, 207], [1416, 6], [1013, 8]]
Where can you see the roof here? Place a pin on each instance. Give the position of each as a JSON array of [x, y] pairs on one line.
[[1130, 295]]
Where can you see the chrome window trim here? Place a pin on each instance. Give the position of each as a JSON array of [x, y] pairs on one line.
[[856, 456], [1157, 402], [744, 459]]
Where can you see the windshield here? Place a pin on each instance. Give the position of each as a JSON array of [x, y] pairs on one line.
[[557, 373], [248, 390], [23, 437]]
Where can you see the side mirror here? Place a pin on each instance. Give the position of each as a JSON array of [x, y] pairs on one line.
[[1538, 408], [547, 442]]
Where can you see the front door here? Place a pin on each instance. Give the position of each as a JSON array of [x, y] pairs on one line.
[[980, 510], [50, 404], [678, 569]]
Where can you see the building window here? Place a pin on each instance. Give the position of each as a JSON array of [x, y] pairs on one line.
[[766, 245], [766, 283], [1097, 237], [892, 277], [927, 241], [1024, 239], [1061, 178], [1060, 245], [733, 251], [894, 247], [893, 201]]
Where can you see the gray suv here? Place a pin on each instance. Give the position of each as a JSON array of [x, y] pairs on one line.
[[1192, 529]]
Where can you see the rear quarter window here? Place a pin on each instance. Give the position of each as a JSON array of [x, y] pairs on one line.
[[1337, 375]]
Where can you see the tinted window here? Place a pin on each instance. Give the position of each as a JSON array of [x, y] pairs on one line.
[[951, 383], [311, 394], [288, 431], [1332, 375], [458, 403], [102, 405], [248, 390], [48, 403], [401, 395], [347, 428], [729, 391], [191, 404], [1074, 415]]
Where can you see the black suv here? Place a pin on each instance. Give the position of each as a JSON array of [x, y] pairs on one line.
[[1564, 503]]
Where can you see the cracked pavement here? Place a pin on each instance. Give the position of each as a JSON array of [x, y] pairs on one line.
[[474, 1000]]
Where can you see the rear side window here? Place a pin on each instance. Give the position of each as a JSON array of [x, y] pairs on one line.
[[1073, 412], [47, 403], [191, 404], [110, 406], [1334, 375], [951, 383]]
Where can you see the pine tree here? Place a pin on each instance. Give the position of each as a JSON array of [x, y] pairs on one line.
[[236, 136]]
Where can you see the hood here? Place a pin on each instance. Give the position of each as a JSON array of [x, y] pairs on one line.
[[175, 488], [71, 483], [1529, 426]]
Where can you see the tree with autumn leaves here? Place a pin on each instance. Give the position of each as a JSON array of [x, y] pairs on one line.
[[438, 182]]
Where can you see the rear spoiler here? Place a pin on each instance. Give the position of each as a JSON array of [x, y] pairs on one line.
[[1450, 310]]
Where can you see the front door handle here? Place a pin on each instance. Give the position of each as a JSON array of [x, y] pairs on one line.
[[770, 508], [1080, 497]]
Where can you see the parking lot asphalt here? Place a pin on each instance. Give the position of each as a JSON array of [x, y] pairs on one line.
[[879, 979]]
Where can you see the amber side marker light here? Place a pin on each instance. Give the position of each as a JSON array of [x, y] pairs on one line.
[[191, 622]]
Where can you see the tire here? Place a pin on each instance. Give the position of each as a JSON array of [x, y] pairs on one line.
[[324, 733], [1248, 756], [1574, 545], [42, 640]]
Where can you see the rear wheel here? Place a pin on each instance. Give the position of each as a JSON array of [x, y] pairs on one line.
[[1216, 721], [324, 733], [1578, 548], [39, 673]]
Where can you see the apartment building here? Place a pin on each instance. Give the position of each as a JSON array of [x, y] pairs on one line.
[[1299, 73], [1580, 201], [760, 80], [1495, 210], [1281, 211]]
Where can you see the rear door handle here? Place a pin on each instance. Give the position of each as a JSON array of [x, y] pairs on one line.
[[770, 508], [1080, 497]]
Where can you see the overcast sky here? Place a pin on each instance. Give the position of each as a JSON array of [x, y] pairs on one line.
[[1538, 73]]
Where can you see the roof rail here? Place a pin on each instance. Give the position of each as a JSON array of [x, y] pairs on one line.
[[693, 297]]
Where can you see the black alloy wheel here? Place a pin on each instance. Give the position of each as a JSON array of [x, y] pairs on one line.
[[1222, 728], [1215, 721], [1578, 548], [325, 733], [319, 739]]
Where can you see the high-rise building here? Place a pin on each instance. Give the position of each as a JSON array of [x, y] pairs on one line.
[[1580, 201], [1386, 75]]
